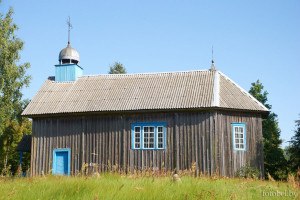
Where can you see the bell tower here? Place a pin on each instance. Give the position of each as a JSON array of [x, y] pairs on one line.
[[68, 68]]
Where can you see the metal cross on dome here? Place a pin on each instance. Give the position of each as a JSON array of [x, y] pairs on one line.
[[70, 26]]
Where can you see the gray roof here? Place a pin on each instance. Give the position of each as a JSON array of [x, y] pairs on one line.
[[132, 92]]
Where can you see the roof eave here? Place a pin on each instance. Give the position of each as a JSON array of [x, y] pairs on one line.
[[204, 109]]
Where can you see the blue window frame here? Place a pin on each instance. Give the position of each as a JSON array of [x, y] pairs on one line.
[[239, 136], [61, 162], [148, 136]]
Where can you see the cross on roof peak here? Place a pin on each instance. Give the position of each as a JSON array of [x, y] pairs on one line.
[[69, 27]]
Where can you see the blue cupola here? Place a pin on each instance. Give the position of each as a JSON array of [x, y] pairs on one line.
[[68, 68]]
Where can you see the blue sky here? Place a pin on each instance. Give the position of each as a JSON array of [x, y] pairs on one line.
[[252, 40]]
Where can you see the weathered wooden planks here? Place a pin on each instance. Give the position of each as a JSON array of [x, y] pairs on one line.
[[103, 141]]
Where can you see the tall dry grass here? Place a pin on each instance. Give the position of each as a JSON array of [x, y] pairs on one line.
[[144, 184], [148, 184]]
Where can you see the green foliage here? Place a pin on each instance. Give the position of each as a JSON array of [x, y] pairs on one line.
[[275, 162], [117, 68], [12, 75], [256, 91], [248, 172], [293, 150], [13, 79], [116, 186], [9, 140]]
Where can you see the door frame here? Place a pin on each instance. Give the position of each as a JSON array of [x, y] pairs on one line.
[[54, 159]]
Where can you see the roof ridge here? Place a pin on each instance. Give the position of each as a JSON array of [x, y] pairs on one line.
[[216, 90], [147, 73]]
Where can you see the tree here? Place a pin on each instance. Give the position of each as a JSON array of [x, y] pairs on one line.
[[117, 68], [274, 161], [13, 79], [12, 75], [9, 140], [294, 149]]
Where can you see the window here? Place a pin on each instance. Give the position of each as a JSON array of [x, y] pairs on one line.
[[137, 137], [239, 136], [148, 136], [160, 137]]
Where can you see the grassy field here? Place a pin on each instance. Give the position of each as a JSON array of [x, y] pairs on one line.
[[116, 186]]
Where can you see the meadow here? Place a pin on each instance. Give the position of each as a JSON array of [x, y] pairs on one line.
[[143, 186]]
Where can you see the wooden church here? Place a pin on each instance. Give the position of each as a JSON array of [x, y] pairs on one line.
[[172, 121]]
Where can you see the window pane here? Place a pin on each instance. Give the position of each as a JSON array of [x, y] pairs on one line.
[[137, 129], [160, 129], [236, 129], [237, 146], [242, 146], [241, 129]]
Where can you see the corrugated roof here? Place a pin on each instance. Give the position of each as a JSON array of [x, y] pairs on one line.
[[233, 96], [131, 92]]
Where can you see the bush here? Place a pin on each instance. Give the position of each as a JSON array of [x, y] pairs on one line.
[[247, 171]]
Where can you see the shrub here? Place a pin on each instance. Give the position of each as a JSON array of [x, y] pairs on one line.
[[247, 171]]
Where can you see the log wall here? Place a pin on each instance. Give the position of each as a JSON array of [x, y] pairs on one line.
[[104, 141]]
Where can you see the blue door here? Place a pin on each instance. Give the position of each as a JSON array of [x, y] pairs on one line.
[[62, 163], [61, 159]]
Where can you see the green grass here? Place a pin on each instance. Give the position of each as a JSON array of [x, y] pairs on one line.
[[115, 186]]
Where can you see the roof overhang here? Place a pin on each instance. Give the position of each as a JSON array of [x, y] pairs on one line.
[[264, 114]]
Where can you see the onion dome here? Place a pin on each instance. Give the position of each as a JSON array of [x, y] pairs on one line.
[[68, 55]]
